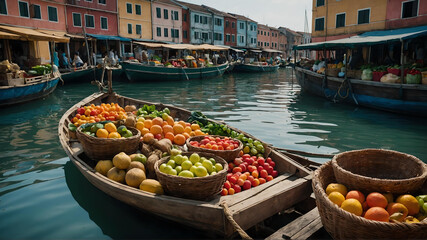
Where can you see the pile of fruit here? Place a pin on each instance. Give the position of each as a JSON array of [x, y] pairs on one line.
[[106, 130], [129, 170], [98, 113], [248, 171], [193, 166], [216, 143], [379, 206]]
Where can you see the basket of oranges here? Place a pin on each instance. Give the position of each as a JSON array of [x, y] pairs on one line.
[[103, 140]]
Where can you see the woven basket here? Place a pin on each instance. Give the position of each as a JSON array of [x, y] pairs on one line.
[[344, 225], [106, 148], [379, 170], [198, 188], [333, 72], [227, 155], [356, 74]]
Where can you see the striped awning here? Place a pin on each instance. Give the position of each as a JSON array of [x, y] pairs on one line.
[[32, 34]]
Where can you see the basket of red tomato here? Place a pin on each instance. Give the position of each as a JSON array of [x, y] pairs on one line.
[[225, 147]]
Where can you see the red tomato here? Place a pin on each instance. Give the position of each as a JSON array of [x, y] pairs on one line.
[[81, 111]]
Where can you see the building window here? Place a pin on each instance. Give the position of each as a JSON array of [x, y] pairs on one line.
[[138, 29], [129, 8], [218, 22], [196, 18], [184, 17], [204, 20], [340, 21], [52, 13], [268, 34], [205, 36], [217, 36], [185, 34], [320, 3], [104, 2], [166, 13], [104, 23], [77, 20], [233, 38], [363, 16], [36, 11], [242, 25], [3, 7], [227, 37], [165, 32], [23, 9], [319, 24], [129, 28], [227, 23], [196, 35], [159, 32], [175, 33], [159, 13], [233, 25], [175, 15], [89, 21], [410, 9], [137, 9]]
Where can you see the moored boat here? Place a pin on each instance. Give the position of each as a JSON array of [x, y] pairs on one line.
[[81, 74], [255, 68], [408, 99], [136, 71], [28, 89], [247, 208]]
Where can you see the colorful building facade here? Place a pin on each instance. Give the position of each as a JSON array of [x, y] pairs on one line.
[[230, 30], [217, 25], [241, 30], [166, 21], [406, 13], [185, 25], [252, 30], [135, 19], [201, 23]]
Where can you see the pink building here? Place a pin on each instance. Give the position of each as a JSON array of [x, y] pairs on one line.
[[267, 37], [166, 20], [406, 13]]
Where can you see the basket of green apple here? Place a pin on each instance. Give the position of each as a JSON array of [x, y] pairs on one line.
[[198, 176]]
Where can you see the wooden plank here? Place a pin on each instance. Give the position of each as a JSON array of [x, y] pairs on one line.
[[309, 230], [277, 198], [295, 226]]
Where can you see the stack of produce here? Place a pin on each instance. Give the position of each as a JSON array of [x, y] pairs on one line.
[[106, 130], [98, 113]]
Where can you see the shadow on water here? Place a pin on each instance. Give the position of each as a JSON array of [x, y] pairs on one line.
[[119, 220]]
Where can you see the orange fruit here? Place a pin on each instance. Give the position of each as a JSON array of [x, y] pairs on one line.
[[195, 126], [410, 203], [148, 123], [356, 195], [144, 131], [177, 129], [376, 199], [192, 134], [186, 135], [353, 206], [187, 130], [157, 121], [139, 125], [110, 127], [114, 135], [156, 129], [170, 136], [336, 198], [336, 187], [377, 214], [167, 128], [397, 208], [170, 120], [165, 123], [198, 132], [182, 123], [102, 133], [148, 137], [179, 139]]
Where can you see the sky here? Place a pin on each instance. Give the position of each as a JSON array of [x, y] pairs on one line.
[[274, 13]]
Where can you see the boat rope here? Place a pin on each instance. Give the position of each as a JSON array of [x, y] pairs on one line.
[[338, 93], [185, 73], [235, 225], [304, 153]]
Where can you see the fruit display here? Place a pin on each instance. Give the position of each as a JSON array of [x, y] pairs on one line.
[[377, 206], [189, 167], [248, 171], [216, 143], [98, 113], [105, 129]]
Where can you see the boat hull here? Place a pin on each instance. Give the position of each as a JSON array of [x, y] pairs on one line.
[[83, 75], [19, 94], [118, 74], [410, 99], [141, 72], [255, 68]]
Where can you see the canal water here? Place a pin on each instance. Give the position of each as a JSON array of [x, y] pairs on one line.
[[43, 196]]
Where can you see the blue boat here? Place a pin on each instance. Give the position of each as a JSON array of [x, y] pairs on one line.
[[255, 68], [136, 71], [33, 88], [82, 74]]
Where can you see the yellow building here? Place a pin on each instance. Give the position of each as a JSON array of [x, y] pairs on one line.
[[135, 19], [335, 19]]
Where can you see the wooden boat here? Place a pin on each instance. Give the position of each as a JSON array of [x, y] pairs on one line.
[[81, 74], [136, 71], [255, 68], [408, 99], [28, 89], [247, 208]]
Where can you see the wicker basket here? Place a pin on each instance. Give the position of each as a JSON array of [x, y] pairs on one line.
[[344, 225], [227, 155], [198, 188], [356, 74], [106, 148], [379, 170], [333, 72]]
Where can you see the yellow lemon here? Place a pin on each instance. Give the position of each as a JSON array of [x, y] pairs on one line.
[[353, 206], [336, 198], [102, 133], [336, 187], [110, 127]]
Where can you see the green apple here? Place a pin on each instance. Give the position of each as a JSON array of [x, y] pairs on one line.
[[184, 158], [162, 167], [194, 158], [178, 169], [127, 134], [179, 159], [202, 159], [201, 171], [212, 160], [186, 165], [186, 173], [173, 172], [208, 165], [193, 170], [198, 164], [213, 173], [167, 169], [171, 163], [218, 166], [175, 151], [138, 157]]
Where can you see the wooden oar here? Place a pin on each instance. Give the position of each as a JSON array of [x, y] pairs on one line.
[[305, 153]]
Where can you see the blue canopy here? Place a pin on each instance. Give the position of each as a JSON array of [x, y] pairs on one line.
[[106, 37], [368, 39]]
